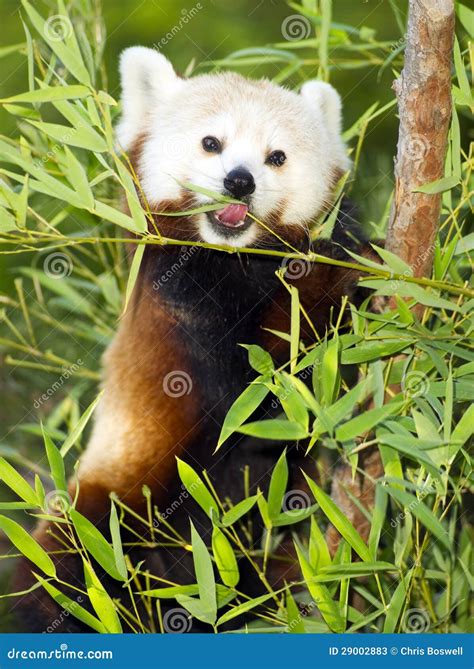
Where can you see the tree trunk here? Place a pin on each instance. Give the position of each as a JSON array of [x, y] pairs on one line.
[[424, 101]]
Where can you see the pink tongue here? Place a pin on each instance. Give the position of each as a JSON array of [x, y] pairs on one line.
[[232, 214]]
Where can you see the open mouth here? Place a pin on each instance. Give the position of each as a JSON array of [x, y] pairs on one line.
[[231, 220]]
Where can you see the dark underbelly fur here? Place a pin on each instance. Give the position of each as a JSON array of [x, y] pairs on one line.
[[218, 301]]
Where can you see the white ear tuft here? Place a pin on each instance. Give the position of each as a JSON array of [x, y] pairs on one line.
[[324, 97], [146, 77]]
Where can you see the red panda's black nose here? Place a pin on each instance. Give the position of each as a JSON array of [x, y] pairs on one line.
[[239, 182]]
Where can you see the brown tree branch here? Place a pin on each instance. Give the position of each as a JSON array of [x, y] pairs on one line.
[[424, 101]]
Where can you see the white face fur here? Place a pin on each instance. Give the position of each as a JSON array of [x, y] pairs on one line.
[[251, 120]]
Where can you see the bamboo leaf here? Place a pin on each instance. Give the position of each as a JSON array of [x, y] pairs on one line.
[[49, 93], [78, 429], [241, 509], [17, 483], [243, 408], [197, 489], [225, 558], [95, 544], [421, 511], [277, 489], [28, 546], [101, 601], [340, 522], [205, 578]]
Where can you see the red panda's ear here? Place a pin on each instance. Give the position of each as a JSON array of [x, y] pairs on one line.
[[146, 78], [325, 101], [322, 97]]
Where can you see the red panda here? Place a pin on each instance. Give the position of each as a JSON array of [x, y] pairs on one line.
[[175, 365]]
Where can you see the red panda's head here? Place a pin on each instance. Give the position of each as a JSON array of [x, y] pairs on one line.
[[276, 151]]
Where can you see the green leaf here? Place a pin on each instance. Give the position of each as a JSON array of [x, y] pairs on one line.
[[293, 516], [50, 93], [294, 618], [438, 186], [340, 522], [114, 526], [322, 598], [77, 430], [225, 558], [277, 489], [17, 483], [295, 327], [259, 359], [392, 261], [396, 603], [77, 177], [330, 378], [113, 215], [372, 350], [319, 555], [95, 544], [205, 577], [196, 488], [243, 408], [28, 546], [56, 462], [172, 591], [243, 608], [466, 17], [461, 73], [409, 446], [367, 420], [378, 519], [241, 509], [75, 136], [65, 54], [462, 432], [71, 606], [133, 274], [275, 428], [101, 601], [421, 511]]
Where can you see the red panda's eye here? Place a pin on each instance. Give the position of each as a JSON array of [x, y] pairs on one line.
[[211, 145], [276, 158]]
